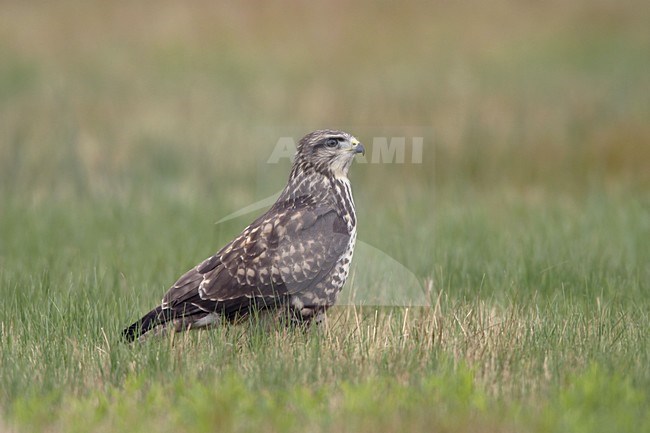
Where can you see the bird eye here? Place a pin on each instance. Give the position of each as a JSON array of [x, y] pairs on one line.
[[332, 142]]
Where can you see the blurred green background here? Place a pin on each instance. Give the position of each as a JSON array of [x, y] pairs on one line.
[[185, 101], [105, 98]]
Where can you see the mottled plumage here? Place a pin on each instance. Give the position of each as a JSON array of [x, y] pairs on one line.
[[293, 259]]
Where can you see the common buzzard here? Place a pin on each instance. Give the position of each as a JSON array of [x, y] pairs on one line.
[[294, 259]]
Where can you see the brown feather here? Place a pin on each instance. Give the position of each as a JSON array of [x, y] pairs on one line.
[[296, 255]]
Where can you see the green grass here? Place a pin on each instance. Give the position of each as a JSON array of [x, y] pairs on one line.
[[126, 132]]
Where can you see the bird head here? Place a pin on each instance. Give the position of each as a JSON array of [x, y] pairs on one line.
[[327, 151]]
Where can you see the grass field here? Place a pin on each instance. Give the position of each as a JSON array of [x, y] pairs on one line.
[[127, 130]]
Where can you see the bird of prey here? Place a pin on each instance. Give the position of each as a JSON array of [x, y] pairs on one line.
[[294, 259]]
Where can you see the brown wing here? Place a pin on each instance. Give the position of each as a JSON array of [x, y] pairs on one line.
[[287, 250]]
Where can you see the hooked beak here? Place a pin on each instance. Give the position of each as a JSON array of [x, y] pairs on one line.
[[357, 147]]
